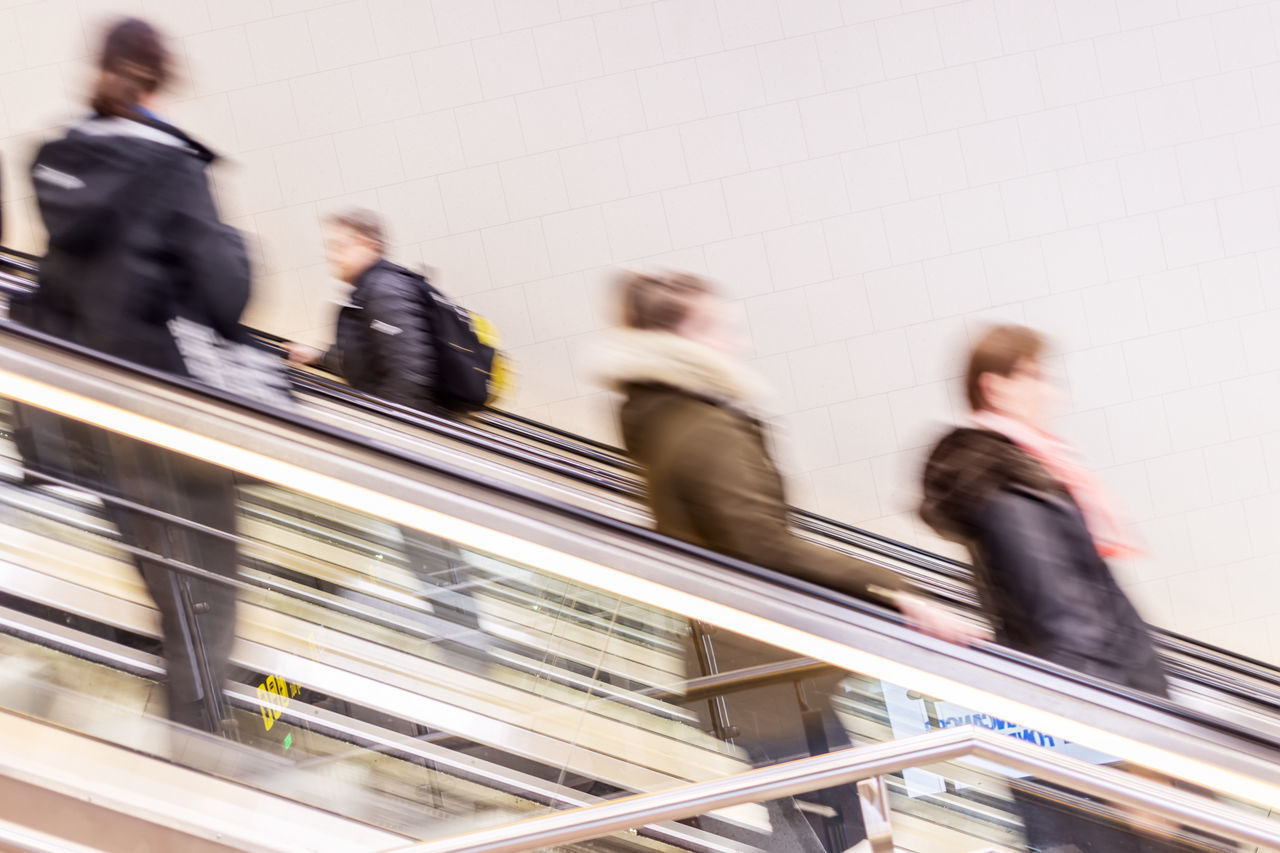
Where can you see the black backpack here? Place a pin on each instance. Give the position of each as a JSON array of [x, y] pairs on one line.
[[467, 357]]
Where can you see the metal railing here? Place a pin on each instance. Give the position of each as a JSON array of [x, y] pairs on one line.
[[866, 764]]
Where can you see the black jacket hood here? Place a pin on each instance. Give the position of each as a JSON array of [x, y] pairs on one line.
[[103, 170], [966, 468], [135, 241]]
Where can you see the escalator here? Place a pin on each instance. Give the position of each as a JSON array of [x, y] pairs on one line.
[[535, 665], [602, 479], [599, 478], [549, 673]]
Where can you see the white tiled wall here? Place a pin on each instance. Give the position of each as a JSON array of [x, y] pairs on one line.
[[869, 180]]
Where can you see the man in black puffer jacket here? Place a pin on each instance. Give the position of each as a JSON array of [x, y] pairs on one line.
[[384, 345]]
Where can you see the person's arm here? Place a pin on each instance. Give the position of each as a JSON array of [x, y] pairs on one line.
[[301, 354], [1033, 566], [728, 496], [403, 346], [211, 253], [731, 497]]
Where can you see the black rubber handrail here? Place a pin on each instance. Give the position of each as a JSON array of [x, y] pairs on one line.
[[945, 576]]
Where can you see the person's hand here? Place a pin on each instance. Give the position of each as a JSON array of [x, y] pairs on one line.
[[938, 621], [301, 354]]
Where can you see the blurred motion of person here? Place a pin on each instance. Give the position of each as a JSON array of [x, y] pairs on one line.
[[1039, 528], [384, 346], [690, 418], [135, 248]]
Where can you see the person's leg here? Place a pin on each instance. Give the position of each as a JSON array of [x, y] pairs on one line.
[[197, 616], [772, 724], [1053, 827], [443, 571], [211, 501], [824, 733], [1047, 827]]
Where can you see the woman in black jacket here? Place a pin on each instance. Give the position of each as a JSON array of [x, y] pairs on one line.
[[136, 255], [1039, 528]]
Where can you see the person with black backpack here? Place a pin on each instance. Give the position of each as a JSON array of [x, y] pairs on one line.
[[397, 338], [137, 253], [384, 344]]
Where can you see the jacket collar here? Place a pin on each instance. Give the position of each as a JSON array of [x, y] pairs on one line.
[[374, 268], [634, 357], [355, 298], [144, 127], [967, 467]]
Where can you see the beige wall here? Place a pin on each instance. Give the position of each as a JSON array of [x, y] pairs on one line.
[[870, 180]]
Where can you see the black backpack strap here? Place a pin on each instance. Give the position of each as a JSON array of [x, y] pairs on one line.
[[431, 297]]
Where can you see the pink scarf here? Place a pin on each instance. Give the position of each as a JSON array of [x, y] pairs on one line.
[[1100, 512]]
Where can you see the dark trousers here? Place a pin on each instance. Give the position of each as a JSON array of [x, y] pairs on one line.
[[1053, 827], [776, 723], [197, 616], [439, 566]]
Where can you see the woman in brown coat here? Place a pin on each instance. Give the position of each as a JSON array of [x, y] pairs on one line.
[[689, 418]]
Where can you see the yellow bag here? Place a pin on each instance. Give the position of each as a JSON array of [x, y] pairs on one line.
[[501, 376]]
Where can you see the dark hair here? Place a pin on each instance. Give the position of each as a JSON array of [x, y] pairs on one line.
[[999, 351], [134, 62], [662, 304], [364, 222]]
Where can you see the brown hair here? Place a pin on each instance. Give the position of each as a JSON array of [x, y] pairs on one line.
[[134, 62], [661, 304], [364, 222], [999, 351]]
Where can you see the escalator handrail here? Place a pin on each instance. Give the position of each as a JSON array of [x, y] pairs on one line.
[[848, 534], [851, 535], [847, 766], [949, 576], [952, 576], [954, 571]]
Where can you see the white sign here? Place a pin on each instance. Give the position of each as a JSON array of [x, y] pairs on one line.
[[910, 715]]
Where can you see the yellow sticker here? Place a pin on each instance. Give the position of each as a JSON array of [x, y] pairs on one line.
[[274, 695]]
